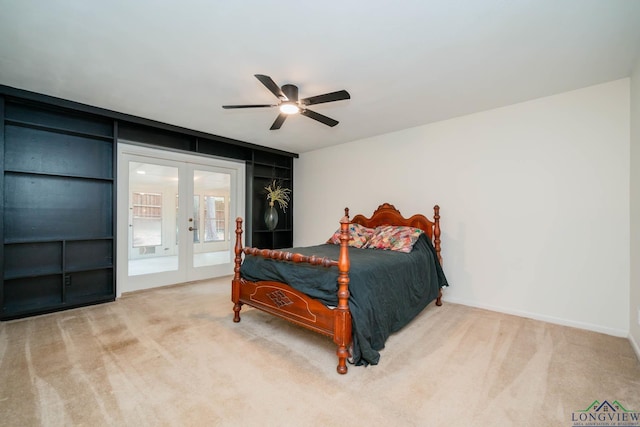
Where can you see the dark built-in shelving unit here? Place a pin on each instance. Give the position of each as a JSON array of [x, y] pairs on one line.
[[261, 171], [58, 210]]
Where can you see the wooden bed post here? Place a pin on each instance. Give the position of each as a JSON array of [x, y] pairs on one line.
[[235, 283], [436, 231], [436, 244], [342, 322]]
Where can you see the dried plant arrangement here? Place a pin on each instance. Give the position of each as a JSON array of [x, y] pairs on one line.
[[277, 193]]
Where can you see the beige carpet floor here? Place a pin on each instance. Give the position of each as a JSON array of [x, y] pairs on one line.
[[173, 357]]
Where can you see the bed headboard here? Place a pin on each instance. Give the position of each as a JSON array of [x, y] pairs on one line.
[[387, 214]]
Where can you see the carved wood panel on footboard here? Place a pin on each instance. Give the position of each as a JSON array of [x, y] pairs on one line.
[[283, 301]]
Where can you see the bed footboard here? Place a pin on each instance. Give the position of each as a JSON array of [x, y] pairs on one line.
[[287, 303], [292, 305]]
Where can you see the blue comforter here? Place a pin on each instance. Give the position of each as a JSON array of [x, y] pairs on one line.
[[388, 288]]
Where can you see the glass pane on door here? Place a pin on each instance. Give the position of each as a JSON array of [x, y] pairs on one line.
[[153, 191], [212, 246], [147, 219], [214, 218]]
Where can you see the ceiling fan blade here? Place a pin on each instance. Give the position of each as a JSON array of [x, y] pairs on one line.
[[271, 85], [227, 107], [279, 121], [319, 117], [327, 97]]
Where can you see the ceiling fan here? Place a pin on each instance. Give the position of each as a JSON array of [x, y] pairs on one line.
[[290, 104]]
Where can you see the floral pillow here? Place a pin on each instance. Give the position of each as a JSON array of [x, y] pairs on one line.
[[359, 235], [394, 238]]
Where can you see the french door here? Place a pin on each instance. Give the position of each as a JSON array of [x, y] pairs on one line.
[[176, 217]]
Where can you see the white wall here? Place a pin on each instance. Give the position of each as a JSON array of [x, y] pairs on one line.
[[634, 306], [534, 201]]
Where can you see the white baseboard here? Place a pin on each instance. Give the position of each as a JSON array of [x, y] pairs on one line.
[[550, 319], [635, 346]]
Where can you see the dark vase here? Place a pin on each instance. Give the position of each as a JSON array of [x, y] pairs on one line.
[[271, 218]]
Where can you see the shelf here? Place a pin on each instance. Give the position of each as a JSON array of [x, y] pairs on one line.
[[28, 293], [90, 283], [88, 255], [28, 114], [48, 128], [271, 172], [52, 292], [88, 268], [9, 170], [40, 207], [55, 239], [270, 177], [271, 165], [10, 275], [36, 151], [35, 259], [32, 259]]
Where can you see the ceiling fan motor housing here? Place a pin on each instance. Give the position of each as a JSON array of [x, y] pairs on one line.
[[291, 92]]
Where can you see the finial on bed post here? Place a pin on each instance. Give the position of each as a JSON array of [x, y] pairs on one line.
[[235, 283], [342, 319]]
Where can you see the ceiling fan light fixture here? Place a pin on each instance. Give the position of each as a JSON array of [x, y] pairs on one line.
[[289, 108], [289, 103]]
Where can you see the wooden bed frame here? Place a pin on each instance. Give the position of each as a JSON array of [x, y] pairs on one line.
[[290, 304]]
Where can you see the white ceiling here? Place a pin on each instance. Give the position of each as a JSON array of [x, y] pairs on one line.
[[405, 63]]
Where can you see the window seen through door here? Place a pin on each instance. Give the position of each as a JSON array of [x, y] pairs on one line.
[[214, 225], [147, 219]]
